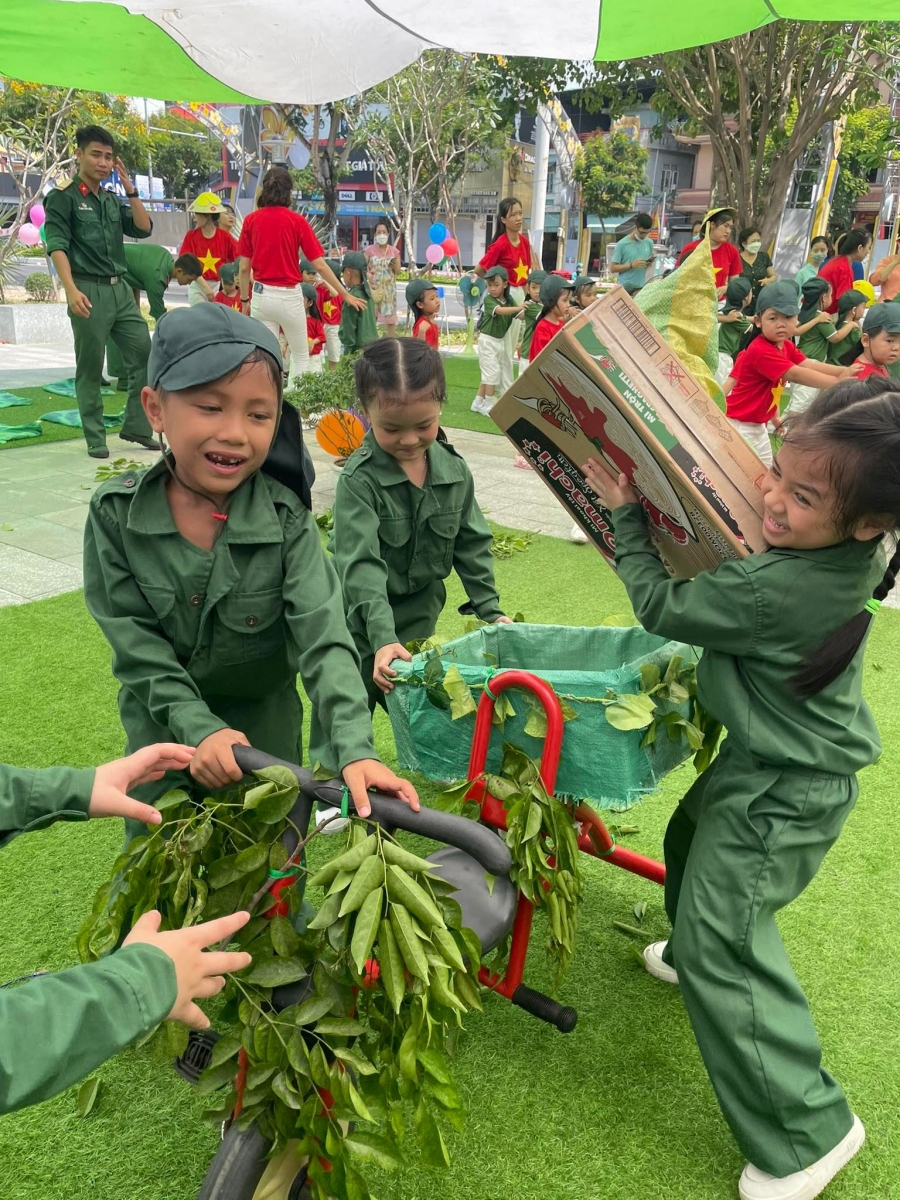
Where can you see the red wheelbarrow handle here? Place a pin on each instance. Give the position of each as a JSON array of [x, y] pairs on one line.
[[553, 740]]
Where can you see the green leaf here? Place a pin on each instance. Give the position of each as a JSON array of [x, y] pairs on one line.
[[533, 823], [366, 926], [285, 939], [536, 721], [649, 677], [285, 1093], [462, 701], [431, 1143], [327, 914], [434, 669], [436, 695], [275, 797], [170, 799], [87, 1096], [361, 1065], [631, 712], [252, 858], [445, 943], [503, 708], [403, 889], [640, 911], [359, 1105], [273, 972], [672, 669], [391, 963], [568, 712], [434, 1063], [215, 1077], [369, 877], [374, 1148], [313, 1009], [407, 1054], [678, 694], [409, 943], [451, 799], [224, 1049]]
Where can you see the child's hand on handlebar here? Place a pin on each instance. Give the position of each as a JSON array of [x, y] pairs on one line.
[[368, 773], [197, 975], [112, 782], [382, 673], [213, 764]]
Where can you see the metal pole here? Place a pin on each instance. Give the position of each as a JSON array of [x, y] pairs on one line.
[[149, 156], [539, 194]]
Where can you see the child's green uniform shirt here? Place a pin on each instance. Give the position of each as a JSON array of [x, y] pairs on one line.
[[358, 327], [730, 334], [815, 344], [839, 350], [204, 640], [491, 322], [394, 544], [57, 1029], [532, 315]]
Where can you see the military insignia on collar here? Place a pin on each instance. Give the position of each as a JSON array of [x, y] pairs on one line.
[[83, 188]]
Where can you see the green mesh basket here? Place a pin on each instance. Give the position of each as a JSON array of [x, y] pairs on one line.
[[600, 763]]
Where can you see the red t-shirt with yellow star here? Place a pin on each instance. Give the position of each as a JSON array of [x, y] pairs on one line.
[[329, 306], [516, 259], [212, 252]]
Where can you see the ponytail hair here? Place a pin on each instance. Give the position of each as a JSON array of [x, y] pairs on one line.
[[859, 433]]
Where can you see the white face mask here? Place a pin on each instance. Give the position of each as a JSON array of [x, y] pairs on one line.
[[818, 255], [753, 247], [381, 239]]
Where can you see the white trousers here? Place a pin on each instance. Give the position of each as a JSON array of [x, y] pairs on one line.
[[333, 342], [283, 308], [723, 370], [516, 329], [495, 362], [801, 397], [757, 436]]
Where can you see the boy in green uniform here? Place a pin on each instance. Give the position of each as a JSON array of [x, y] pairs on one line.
[[533, 310], [848, 323], [358, 326], [208, 578], [498, 311], [85, 226], [57, 1029], [148, 268]]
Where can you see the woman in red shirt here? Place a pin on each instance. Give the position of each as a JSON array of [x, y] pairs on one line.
[[273, 239], [511, 249], [718, 226], [854, 246], [206, 241]]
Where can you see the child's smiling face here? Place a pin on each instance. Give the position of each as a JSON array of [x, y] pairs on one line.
[[406, 430], [220, 432]]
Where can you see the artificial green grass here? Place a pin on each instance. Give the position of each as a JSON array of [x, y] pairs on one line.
[[463, 378], [621, 1109], [42, 402]]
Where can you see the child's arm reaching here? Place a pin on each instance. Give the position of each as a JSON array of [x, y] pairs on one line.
[[819, 374], [717, 609]]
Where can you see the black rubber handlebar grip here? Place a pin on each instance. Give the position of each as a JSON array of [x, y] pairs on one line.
[[545, 1008]]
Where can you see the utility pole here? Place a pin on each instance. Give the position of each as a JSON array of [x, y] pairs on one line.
[[149, 156]]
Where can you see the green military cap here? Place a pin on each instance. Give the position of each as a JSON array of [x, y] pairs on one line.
[[354, 260], [850, 299], [309, 292], [305, 265], [582, 281], [497, 273], [193, 346], [537, 276], [738, 289], [552, 287], [417, 288], [228, 273], [335, 264], [784, 297], [882, 317]]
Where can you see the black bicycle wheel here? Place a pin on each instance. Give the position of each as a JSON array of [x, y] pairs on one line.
[[239, 1165]]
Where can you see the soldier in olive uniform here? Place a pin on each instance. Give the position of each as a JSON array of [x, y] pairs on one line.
[[86, 225], [148, 269]]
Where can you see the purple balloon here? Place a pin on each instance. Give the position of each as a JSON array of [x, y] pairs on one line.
[[30, 235], [37, 215], [434, 254]]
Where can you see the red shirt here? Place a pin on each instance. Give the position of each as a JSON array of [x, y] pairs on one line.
[[868, 369], [274, 239], [516, 259], [725, 258], [839, 273], [315, 332], [329, 306], [760, 371], [220, 248], [545, 331], [431, 332], [232, 301]]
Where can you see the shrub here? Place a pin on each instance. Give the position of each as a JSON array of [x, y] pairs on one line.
[[39, 286], [323, 391]]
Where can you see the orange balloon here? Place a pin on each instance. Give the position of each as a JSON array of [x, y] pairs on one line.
[[339, 433]]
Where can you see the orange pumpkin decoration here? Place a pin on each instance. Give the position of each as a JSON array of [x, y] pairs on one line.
[[339, 433]]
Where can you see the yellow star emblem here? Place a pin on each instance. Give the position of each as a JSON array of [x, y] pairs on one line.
[[521, 273], [208, 261], [329, 308]]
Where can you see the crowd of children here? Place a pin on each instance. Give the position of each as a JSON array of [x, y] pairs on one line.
[[207, 577]]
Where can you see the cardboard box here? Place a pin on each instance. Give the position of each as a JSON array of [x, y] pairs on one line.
[[609, 383]]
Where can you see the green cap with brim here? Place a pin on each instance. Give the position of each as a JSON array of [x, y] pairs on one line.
[[306, 265], [228, 273], [784, 297], [497, 273], [537, 276], [850, 299], [309, 292], [193, 346], [582, 281], [416, 288], [882, 318], [354, 260], [737, 291], [552, 287]]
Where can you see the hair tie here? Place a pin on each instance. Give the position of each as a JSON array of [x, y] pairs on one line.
[[872, 606]]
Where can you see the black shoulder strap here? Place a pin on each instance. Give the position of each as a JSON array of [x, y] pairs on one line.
[[289, 460]]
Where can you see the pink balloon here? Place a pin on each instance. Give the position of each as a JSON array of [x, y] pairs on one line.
[[434, 254], [30, 235], [37, 215], [450, 247]]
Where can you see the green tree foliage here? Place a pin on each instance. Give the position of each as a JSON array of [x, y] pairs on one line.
[[184, 161], [868, 138], [611, 172]]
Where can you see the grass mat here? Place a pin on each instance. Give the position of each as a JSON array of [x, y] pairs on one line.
[[42, 402], [619, 1109], [463, 378]]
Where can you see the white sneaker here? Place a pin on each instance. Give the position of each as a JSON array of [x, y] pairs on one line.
[[483, 405], [578, 535], [653, 961], [322, 814], [803, 1185]]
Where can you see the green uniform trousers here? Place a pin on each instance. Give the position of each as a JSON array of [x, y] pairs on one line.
[[744, 842], [114, 315]]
